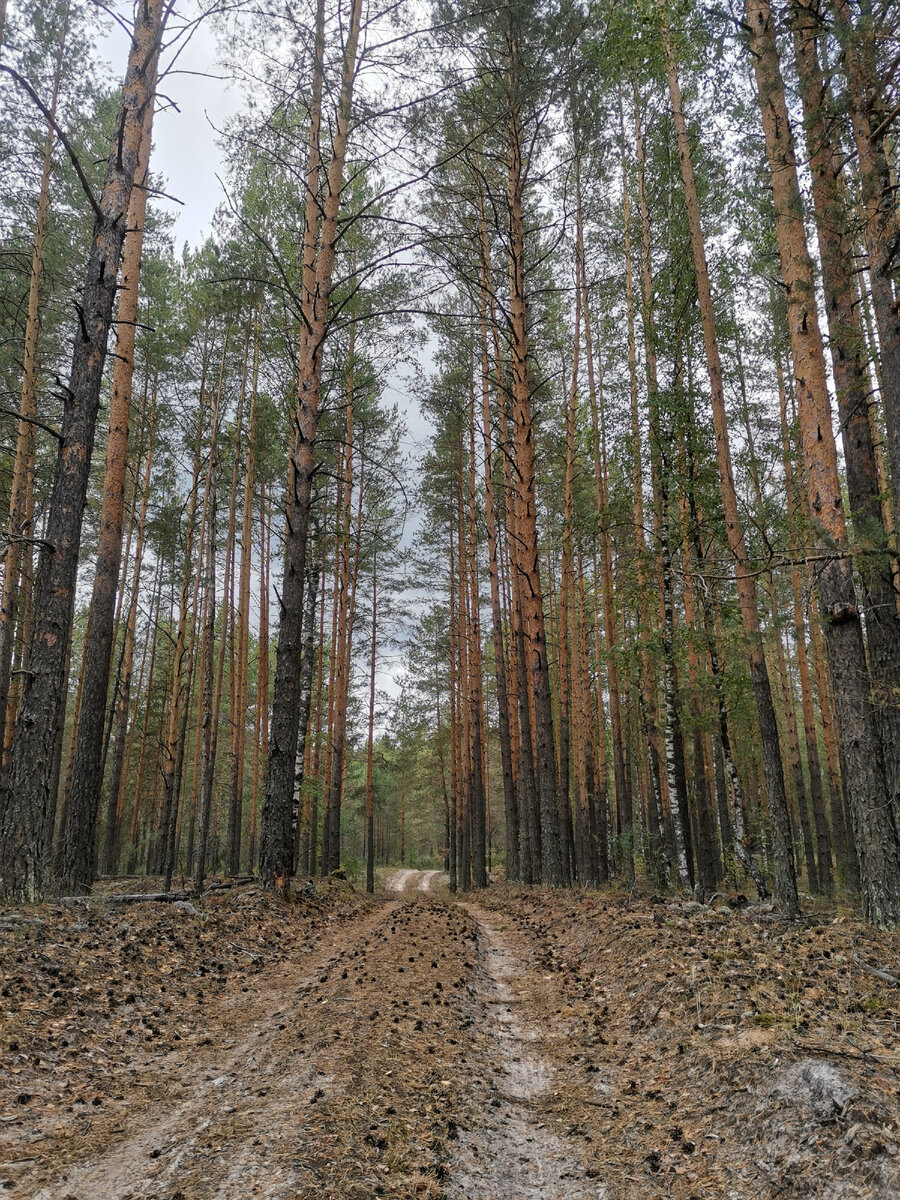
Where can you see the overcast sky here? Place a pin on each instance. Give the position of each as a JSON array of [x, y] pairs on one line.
[[185, 148]]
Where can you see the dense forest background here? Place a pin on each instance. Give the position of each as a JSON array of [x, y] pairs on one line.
[[631, 613]]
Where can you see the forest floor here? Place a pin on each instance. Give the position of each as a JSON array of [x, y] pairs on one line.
[[510, 1045]]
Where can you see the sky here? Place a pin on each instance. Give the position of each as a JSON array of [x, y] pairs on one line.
[[185, 149]]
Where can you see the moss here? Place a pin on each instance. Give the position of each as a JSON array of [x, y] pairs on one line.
[[766, 1019]]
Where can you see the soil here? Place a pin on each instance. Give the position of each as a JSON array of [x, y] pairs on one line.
[[510, 1045]]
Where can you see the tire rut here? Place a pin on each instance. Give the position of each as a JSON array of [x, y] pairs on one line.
[[343, 1080], [219, 1116], [513, 1154], [411, 1055]]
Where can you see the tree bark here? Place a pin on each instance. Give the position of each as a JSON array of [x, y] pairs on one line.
[[116, 803], [260, 748], [648, 698], [346, 615], [79, 861], [453, 638], [708, 865], [479, 796], [275, 850], [26, 792], [860, 744], [465, 710], [847, 343], [212, 677], [785, 879], [509, 796], [527, 554], [879, 203], [306, 682], [370, 743], [150, 645], [21, 496]]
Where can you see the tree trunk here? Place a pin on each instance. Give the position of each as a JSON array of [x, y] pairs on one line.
[[212, 679], [785, 879], [527, 554], [817, 794], [237, 715], [453, 639], [317, 747], [79, 861], [569, 706], [21, 496], [582, 751], [675, 769], [346, 612], [521, 701], [708, 865], [306, 682], [116, 803], [151, 643], [465, 711], [623, 797], [848, 349], [509, 796], [879, 203], [370, 743], [869, 802], [648, 699], [275, 849], [262, 673], [604, 822], [479, 796], [26, 793]]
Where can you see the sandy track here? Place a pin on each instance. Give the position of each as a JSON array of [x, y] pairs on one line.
[[333, 1075], [404, 879], [213, 1131], [428, 1050], [515, 1153], [407, 1048]]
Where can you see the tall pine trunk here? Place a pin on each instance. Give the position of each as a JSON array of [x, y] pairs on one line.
[[864, 101], [26, 795], [785, 879], [21, 496], [79, 859], [876, 835], [527, 554], [370, 741], [509, 795], [116, 803], [276, 851], [479, 796], [848, 353]]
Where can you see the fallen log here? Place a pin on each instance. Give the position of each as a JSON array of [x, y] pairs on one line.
[[128, 898], [879, 971], [160, 897]]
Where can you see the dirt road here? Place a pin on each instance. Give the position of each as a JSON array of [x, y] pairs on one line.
[[364, 1069], [412, 1046], [404, 879]]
